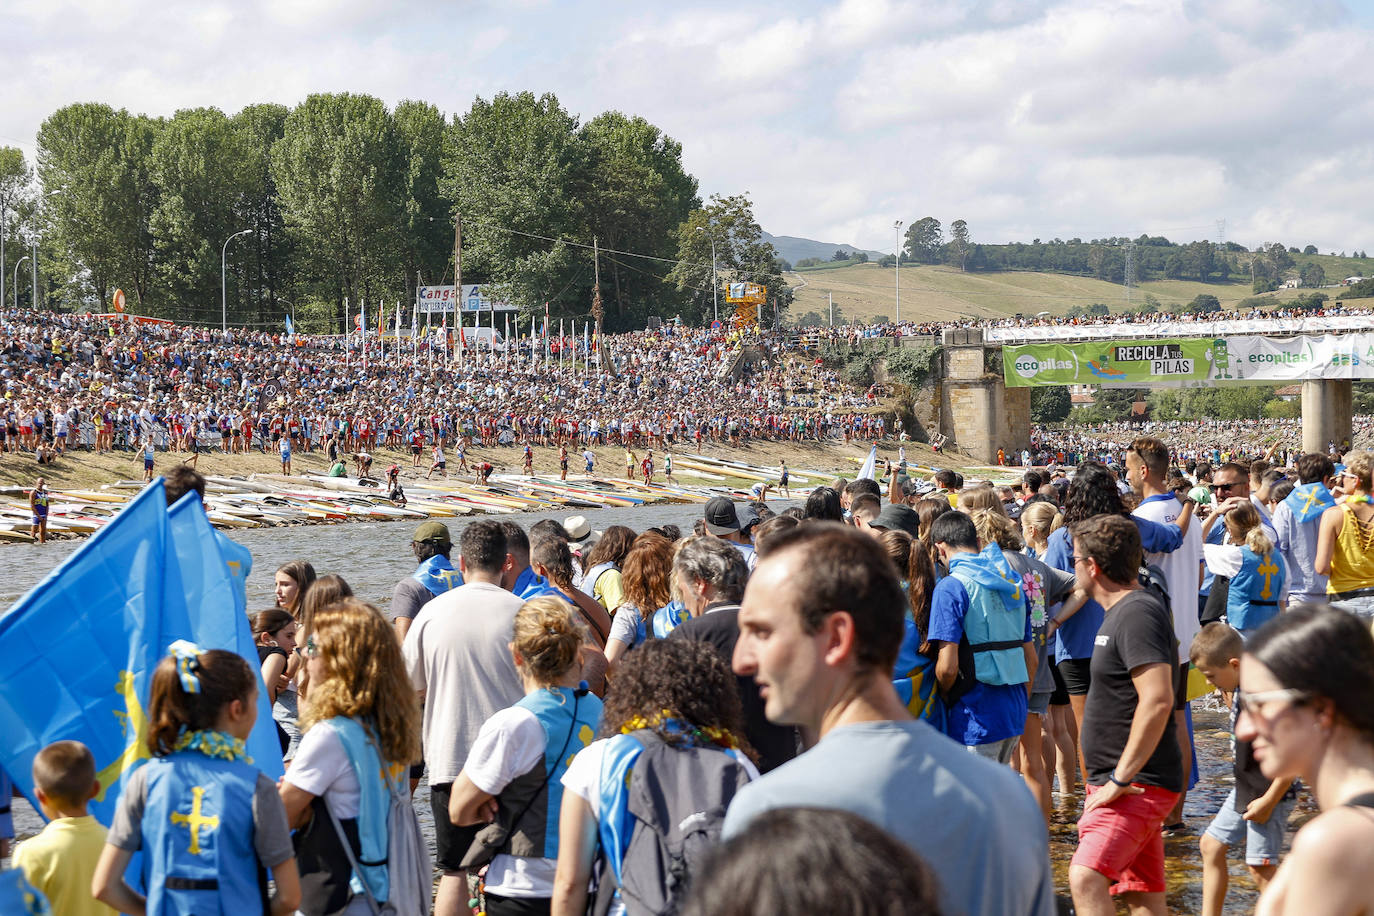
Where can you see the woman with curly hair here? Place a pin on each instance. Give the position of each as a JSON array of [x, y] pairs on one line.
[[362, 726], [647, 577], [671, 695], [1094, 492], [601, 567]]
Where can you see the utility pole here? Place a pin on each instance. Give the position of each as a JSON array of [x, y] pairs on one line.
[[832, 308], [33, 265], [457, 280], [598, 310], [897, 269]]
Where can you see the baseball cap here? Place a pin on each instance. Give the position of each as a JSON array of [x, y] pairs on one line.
[[720, 516], [899, 518], [432, 533]]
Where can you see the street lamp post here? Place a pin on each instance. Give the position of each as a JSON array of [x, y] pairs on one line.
[[16, 280], [223, 286], [715, 286], [897, 269]]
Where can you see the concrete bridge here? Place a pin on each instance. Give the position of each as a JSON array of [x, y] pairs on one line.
[[982, 413]]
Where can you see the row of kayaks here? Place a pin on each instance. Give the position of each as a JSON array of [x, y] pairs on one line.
[[269, 500]]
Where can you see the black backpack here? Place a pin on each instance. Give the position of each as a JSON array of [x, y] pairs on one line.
[[677, 797]]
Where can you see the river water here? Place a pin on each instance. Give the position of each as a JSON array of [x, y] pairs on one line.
[[372, 556]]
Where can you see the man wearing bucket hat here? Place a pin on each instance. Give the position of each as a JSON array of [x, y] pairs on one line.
[[723, 521], [435, 575], [581, 539]]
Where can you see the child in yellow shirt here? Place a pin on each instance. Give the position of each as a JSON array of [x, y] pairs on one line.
[[61, 860]]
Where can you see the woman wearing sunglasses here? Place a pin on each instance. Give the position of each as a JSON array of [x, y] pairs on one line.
[[361, 729], [1306, 680], [1345, 540]]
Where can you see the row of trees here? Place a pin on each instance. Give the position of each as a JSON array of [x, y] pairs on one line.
[[344, 198], [1155, 257]]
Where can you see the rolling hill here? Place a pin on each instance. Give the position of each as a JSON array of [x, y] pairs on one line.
[[938, 293]]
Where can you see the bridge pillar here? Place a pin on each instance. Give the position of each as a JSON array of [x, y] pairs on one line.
[[1327, 408], [976, 409]]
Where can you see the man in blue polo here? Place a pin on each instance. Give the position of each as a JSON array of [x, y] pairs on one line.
[[980, 628]]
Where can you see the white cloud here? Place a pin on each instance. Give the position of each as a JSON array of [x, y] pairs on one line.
[[1045, 118]]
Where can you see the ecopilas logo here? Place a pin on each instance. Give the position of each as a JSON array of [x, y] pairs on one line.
[[1029, 367]]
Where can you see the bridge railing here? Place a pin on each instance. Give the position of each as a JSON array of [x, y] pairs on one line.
[[1323, 324]]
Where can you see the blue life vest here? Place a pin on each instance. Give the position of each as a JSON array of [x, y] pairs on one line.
[[995, 623], [536, 834], [374, 803], [198, 836], [529, 585], [1253, 598], [438, 575], [668, 618]]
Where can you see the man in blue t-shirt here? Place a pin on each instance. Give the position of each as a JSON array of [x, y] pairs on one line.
[[819, 630], [980, 612]]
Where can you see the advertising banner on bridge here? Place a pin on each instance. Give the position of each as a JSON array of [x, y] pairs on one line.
[[435, 300], [1306, 357], [1174, 362], [1191, 362]]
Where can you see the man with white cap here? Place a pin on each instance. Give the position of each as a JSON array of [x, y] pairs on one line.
[[723, 521]]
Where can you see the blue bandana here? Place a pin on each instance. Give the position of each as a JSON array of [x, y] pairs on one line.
[[438, 575], [1309, 500]]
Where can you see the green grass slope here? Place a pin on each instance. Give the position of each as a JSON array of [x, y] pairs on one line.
[[938, 293]]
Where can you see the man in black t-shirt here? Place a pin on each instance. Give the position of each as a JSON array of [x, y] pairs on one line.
[[711, 575], [1131, 754]]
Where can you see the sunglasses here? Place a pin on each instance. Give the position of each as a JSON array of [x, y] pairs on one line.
[[1251, 702], [1222, 487]]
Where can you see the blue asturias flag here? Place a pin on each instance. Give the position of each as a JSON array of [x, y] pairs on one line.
[[215, 604], [77, 652], [290, 325]]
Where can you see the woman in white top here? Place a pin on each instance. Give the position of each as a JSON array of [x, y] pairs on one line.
[[359, 689], [513, 774]]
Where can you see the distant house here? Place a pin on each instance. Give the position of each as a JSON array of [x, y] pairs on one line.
[[1292, 283], [1351, 281], [1288, 392]]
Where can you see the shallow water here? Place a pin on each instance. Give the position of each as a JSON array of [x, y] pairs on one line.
[[372, 556]]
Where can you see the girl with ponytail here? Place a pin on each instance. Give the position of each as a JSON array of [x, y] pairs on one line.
[[209, 823], [1259, 577]]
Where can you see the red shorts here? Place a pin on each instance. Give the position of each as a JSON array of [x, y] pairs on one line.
[[1122, 840]]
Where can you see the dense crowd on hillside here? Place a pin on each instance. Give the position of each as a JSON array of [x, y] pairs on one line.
[[82, 381]]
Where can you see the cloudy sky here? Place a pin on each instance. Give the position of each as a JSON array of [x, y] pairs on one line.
[[1027, 118]]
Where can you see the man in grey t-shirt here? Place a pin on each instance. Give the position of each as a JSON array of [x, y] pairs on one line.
[[820, 627], [457, 655]]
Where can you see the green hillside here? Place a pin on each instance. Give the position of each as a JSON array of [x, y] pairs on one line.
[[939, 293]]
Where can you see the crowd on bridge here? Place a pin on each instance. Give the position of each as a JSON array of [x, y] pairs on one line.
[[853, 333], [84, 381]]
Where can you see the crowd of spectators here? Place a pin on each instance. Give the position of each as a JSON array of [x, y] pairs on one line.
[[85, 381]]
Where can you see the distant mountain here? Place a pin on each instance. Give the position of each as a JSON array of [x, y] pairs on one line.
[[793, 249]]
